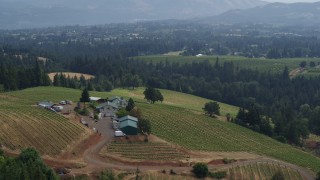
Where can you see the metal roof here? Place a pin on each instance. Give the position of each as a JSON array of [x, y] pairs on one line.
[[107, 104], [45, 104], [128, 123], [94, 98], [125, 118]]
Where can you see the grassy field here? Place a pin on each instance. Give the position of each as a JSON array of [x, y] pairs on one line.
[[179, 122], [261, 171], [151, 151], [173, 98], [261, 64], [23, 125]]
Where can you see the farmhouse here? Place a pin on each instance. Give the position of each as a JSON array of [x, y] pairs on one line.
[[128, 125], [119, 101], [107, 106]]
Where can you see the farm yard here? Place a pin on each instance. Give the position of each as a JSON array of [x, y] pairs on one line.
[[176, 120]]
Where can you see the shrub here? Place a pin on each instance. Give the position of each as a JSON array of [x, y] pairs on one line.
[[107, 175], [278, 176], [218, 175], [172, 172], [200, 170]]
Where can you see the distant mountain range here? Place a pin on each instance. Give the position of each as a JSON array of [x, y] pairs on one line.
[[42, 13], [274, 13], [16, 14]]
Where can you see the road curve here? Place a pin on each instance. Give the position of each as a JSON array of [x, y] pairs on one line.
[[95, 163]]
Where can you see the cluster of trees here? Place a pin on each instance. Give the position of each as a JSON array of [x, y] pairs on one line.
[[62, 80], [18, 77], [254, 119], [28, 165]]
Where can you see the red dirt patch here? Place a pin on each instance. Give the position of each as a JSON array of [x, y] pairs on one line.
[[78, 150], [147, 163]]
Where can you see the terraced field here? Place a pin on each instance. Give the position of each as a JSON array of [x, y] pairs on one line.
[[23, 125], [143, 151], [261, 171], [261, 64]]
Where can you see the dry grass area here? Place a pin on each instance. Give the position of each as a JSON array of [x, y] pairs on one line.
[[71, 75]]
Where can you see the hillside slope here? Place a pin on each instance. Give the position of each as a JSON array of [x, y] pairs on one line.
[[23, 125], [183, 126]]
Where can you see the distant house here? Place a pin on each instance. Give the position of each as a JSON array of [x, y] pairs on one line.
[[107, 106], [128, 125], [45, 104], [120, 101]]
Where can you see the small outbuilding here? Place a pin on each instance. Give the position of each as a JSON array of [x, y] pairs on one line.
[[45, 104], [128, 125]]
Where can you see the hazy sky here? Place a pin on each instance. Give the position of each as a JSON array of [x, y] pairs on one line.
[[292, 1]]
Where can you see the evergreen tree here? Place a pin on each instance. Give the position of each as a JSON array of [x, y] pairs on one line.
[[130, 105], [85, 97]]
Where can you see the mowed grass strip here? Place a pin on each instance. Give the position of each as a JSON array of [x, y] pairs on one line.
[[144, 151]]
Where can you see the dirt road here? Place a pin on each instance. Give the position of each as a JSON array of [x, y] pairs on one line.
[[96, 163]]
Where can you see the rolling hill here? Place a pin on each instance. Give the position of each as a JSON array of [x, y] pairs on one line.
[[180, 123]]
